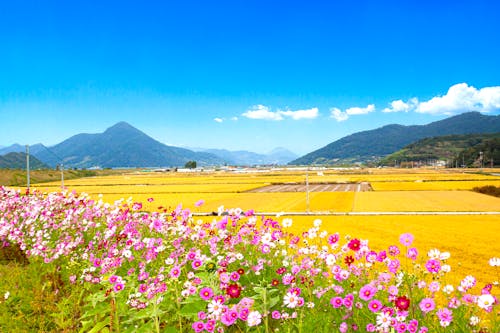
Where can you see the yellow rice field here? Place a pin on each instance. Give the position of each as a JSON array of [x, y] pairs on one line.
[[471, 239]]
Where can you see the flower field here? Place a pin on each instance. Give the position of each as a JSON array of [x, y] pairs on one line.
[[99, 262], [117, 268]]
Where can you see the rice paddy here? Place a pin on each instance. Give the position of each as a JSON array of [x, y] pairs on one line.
[[472, 239]]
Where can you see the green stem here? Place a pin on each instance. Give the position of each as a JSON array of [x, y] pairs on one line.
[[178, 302], [156, 319], [266, 321]]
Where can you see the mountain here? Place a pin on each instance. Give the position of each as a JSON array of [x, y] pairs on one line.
[[374, 144], [278, 156], [14, 160], [121, 145], [456, 149], [17, 148]]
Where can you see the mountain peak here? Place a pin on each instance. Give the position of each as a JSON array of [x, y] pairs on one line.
[[121, 126]]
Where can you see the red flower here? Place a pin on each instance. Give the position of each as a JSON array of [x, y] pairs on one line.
[[349, 260], [233, 290], [402, 303], [354, 244], [240, 271]]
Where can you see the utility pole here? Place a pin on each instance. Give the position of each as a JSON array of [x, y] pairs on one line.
[[62, 176], [28, 167], [307, 190]]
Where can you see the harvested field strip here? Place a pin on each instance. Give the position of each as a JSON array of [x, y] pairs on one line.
[[432, 185], [313, 187]]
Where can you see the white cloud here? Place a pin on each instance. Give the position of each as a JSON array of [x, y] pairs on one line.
[[219, 120], [301, 114], [400, 106], [358, 110], [340, 115], [462, 97], [265, 113], [234, 118], [262, 112]]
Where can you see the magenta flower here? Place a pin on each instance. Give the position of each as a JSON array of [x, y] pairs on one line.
[[199, 203], [198, 326], [336, 302], [433, 265], [118, 287], [427, 305], [375, 305], [206, 293], [354, 244]]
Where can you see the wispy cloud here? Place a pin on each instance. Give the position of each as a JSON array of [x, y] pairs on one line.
[[265, 113], [340, 115], [462, 97], [400, 106], [218, 120]]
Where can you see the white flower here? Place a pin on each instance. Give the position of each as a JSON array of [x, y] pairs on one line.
[[6, 295], [254, 318], [330, 259], [384, 320], [448, 289], [446, 268], [495, 262], [485, 301], [317, 223], [287, 223], [215, 308], [444, 255], [474, 320], [434, 254], [290, 300]]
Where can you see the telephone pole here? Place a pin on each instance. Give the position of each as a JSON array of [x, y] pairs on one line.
[[28, 167]]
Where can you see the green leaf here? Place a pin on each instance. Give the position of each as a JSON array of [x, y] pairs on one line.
[[97, 328]]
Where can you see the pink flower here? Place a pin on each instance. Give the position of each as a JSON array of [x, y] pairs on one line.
[[276, 314], [427, 305], [375, 305], [445, 317], [118, 287], [199, 203], [175, 272], [406, 239], [198, 326], [206, 293], [367, 292]]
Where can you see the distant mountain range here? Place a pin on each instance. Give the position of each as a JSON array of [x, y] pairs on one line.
[[18, 161], [122, 145], [375, 144], [278, 156]]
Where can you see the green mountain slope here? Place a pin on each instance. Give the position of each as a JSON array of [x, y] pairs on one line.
[[18, 161], [455, 149], [375, 144]]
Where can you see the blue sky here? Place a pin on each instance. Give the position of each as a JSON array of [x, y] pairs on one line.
[[250, 75]]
